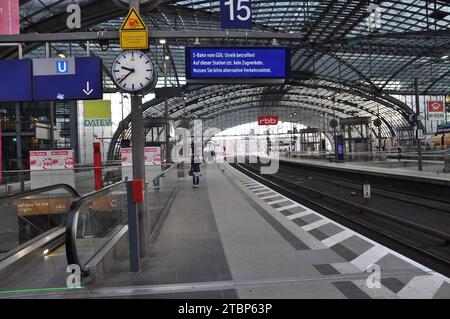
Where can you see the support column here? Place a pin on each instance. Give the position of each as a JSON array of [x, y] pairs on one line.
[[419, 143], [73, 117], [137, 140]]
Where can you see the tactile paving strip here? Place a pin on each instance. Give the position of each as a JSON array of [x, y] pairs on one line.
[[359, 252]]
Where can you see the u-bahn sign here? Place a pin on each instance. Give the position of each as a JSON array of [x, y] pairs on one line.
[[133, 32], [67, 79]]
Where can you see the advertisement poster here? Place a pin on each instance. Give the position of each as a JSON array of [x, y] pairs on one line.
[[40, 161], [97, 113], [51, 160], [152, 155], [62, 159], [126, 157], [436, 110]]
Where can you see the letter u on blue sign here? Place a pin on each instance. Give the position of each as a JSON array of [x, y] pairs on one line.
[[62, 67]]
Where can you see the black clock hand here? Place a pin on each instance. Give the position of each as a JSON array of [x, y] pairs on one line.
[[128, 69], [121, 80]]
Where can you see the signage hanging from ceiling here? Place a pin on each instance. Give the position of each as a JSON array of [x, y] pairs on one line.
[[15, 81], [133, 32], [268, 120], [67, 79], [236, 14], [237, 65]]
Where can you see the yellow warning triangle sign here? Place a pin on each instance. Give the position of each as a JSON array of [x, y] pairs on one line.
[[133, 22]]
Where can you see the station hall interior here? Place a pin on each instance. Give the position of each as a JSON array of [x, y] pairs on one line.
[[232, 149]]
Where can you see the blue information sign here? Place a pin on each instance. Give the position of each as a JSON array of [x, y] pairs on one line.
[[340, 147], [15, 81], [236, 14], [237, 63], [67, 79]]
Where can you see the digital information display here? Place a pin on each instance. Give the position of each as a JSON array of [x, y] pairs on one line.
[[237, 65], [67, 79], [15, 81]]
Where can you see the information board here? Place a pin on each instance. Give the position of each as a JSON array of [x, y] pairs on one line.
[[15, 81], [240, 65], [67, 79]]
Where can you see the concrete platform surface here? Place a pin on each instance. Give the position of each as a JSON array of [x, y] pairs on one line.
[[236, 238]]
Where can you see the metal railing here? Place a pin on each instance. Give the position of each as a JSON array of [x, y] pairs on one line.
[[97, 217]]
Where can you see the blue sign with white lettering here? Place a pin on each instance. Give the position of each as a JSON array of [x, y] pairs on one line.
[[62, 67], [236, 14], [67, 79], [237, 63], [15, 81]]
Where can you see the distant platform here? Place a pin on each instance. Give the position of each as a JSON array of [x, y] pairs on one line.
[[403, 173]]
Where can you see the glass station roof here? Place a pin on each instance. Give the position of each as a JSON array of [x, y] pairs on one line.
[[334, 46]]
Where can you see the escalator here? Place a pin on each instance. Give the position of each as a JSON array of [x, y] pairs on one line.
[[32, 236], [45, 230]]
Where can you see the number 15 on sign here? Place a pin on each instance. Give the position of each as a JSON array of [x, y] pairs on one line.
[[236, 14]]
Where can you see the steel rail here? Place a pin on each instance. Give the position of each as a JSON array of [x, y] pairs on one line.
[[355, 221]]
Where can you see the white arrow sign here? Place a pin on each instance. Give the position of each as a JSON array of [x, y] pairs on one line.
[[87, 91]]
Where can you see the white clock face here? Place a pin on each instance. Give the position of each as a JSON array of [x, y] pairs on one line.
[[133, 71]]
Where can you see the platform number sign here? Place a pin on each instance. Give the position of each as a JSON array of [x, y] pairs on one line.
[[236, 14], [366, 191]]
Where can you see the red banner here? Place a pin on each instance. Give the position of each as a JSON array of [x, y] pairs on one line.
[[9, 17], [435, 106], [268, 120]]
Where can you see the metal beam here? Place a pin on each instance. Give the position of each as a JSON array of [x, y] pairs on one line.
[[158, 34]]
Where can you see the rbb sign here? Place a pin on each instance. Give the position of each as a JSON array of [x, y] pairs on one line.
[[236, 14], [268, 120]]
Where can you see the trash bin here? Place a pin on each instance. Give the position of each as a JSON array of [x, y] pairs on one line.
[[181, 170]]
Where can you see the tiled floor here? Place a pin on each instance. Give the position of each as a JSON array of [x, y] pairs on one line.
[[401, 277]]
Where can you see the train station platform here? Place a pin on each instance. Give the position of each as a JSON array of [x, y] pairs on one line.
[[236, 238], [437, 175]]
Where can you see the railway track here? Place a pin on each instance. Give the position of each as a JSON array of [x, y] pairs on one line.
[[418, 237]]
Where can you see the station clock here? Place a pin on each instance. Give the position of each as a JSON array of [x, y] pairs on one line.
[[134, 72]]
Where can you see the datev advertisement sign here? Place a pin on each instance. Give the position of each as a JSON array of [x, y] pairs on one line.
[[97, 113], [238, 64], [268, 120]]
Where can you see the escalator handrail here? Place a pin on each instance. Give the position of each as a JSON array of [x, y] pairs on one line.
[[72, 222], [40, 190], [72, 218]]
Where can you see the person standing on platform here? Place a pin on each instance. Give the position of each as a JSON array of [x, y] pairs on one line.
[[195, 168]]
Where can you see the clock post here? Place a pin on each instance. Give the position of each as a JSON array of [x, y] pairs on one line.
[[137, 140]]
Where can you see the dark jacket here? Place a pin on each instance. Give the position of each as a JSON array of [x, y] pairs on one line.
[[195, 167]]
